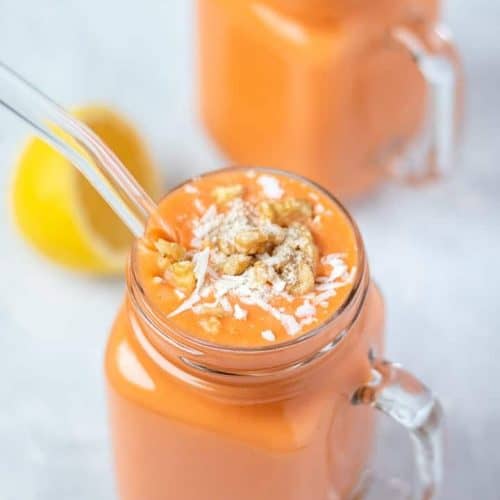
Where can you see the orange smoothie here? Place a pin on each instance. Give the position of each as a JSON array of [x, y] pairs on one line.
[[232, 364], [277, 258], [316, 87]]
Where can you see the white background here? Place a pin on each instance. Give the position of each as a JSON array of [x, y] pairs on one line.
[[435, 251]]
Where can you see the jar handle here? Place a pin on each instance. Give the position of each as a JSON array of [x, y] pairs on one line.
[[431, 153], [401, 396]]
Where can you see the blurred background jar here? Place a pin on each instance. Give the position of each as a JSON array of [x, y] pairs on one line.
[[346, 92]]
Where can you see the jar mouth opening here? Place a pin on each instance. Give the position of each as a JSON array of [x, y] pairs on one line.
[[165, 327]]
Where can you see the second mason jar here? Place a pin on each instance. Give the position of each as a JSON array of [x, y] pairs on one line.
[[348, 93]]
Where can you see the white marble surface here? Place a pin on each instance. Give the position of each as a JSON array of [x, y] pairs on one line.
[[434, 251]]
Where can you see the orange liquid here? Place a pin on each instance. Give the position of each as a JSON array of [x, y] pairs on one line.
[[311, 87], [183, 433]]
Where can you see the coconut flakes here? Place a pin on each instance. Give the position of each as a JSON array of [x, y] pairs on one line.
[[270, 186], [268, 335]]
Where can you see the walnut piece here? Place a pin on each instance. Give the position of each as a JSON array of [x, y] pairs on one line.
[[177, 271], [181, 275], [263, 273], [287, 211], [163, 263], [304, 281], [236, 264], [296, 259], [242, 231], [169, 250], [300, 238], [223, 194], [250, 242]]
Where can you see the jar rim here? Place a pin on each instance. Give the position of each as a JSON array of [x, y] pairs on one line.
[[166, 327]]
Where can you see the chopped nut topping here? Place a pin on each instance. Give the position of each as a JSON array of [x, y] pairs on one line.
[[240, 313], [304, 281], [243, 239], [300, 238], [211, 325], [239, 231], [267, 210], [181, 275], [296, 259], [251, 242], [236, 264], [223, 194], [169, 250], [263, 273], [287, 211], [162, 263]]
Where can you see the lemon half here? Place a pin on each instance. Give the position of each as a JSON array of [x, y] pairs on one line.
[[61, 214]]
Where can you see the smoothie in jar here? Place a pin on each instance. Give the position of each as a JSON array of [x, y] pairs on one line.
[[232, 364], [325, 89]]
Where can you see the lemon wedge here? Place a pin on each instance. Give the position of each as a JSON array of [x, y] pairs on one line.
[[61, 214]]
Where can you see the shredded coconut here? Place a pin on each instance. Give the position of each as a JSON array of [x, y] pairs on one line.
[[199, 205], [268, 335], [270, 186], [239, 312], [308, 321], [324, 296], [202, 308], [204, 225], [304, 310], [226, 305]]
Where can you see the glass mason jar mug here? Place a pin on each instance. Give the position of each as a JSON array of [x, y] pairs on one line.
[[192, 419], [347, 92]]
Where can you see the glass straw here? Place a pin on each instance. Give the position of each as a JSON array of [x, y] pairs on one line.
[[82, 147]]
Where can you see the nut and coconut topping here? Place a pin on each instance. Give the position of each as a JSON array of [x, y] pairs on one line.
[[254, 254]]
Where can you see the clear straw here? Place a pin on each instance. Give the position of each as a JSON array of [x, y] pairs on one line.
[[88, 154]]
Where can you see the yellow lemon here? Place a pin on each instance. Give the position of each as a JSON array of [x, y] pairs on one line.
[[61, 214]]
